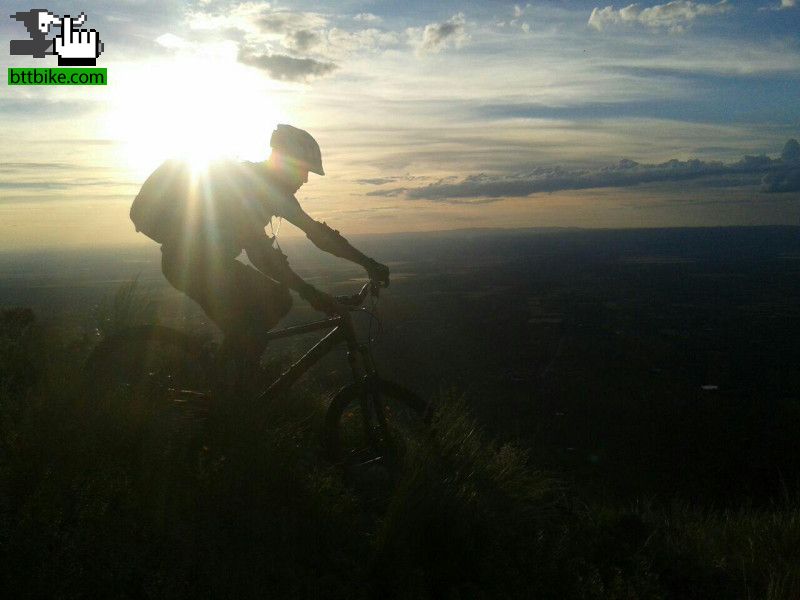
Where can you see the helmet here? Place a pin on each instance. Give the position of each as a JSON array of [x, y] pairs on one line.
[[299, 145]]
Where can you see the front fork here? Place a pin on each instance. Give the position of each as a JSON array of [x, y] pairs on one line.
[[369, 393]]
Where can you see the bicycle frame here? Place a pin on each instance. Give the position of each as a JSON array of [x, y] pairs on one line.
[[342, 331], [366, 385]]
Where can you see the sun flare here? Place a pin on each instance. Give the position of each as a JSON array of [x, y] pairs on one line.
[[196, 110]]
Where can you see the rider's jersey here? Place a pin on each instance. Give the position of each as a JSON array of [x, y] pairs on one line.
[[223, 204]]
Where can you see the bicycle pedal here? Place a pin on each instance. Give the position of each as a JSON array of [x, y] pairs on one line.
[[191, 400], [187, 395], [371, 462]]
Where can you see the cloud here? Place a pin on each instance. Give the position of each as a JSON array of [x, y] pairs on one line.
[[310, 32], [81, 141], [781, 182], [367, 17], [46, 108], [675, 15], [438, 36], [199, 42], [377, 181], [284, 67], [67, 184], [302, 40], [340, 42], [520, 10], [51, 196], [791, 151], [393, 179], [32, 185], [516, 22], [774, 175], [785, 4], [313, 47], [286, 21], [13, 167], [313, 54], [681, 97], [172, 41], [244, 16], [786, 180]]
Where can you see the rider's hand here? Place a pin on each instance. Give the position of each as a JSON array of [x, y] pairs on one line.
[[378, 273], [346, 300], [320, 300]]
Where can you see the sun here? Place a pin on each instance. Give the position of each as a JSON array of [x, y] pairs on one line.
[[193, 109]]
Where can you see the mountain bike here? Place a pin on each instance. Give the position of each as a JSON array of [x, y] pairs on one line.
[[368, 420]]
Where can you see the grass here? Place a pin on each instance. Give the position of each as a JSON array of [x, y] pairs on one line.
[[125, 498]]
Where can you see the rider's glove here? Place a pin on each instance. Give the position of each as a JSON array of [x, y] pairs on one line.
[[377, 272], [319, 300]]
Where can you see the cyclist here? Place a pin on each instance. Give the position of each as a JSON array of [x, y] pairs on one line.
[[203, 222]]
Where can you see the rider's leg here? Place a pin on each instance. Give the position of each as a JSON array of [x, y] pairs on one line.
[[257, 306], [244, 303]]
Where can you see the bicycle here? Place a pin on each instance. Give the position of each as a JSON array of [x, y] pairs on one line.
[[366, 421]]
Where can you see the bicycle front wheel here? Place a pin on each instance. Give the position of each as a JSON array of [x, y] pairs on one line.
[[372, 421]]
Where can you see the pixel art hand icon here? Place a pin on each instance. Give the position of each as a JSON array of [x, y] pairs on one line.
[[77, 47]]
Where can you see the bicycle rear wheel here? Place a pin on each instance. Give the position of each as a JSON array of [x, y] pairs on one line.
[[371, 422], [148, 361]]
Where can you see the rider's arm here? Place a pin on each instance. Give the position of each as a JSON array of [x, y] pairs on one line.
[[273, 262], [329, 240]]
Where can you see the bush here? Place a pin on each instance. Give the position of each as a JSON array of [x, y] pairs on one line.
[[133, 499]]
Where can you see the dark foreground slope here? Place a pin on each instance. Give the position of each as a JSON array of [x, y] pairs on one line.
[[123, 498], [642, 386]]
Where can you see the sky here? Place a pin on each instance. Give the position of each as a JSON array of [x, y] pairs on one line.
[[430, 115]]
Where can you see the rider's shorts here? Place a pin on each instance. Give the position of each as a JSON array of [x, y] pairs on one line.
[[239, 299]]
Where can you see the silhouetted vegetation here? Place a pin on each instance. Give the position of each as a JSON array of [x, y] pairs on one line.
[[125, 497], [627, 429]]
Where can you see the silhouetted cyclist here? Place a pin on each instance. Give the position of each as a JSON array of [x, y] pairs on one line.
[[204, 220]]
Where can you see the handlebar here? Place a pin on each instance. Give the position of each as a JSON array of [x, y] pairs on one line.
[[352, 302]]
